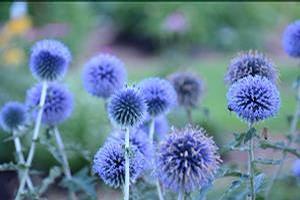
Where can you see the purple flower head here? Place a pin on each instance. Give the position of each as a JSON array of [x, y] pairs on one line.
[[253, 98], [188, 159], [58, 104], [109, 164], [161, 127], [159, 95], [127, 107], [189, 88], [49, 60], [103, 75], [12, 116], [250, 63], [296, 168], [291, 39]]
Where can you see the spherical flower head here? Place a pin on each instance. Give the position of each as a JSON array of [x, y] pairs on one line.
[[49, 60], [103, 75], [12, 116], [161, 127], [250, 63], [58, 103], [159, 95], [296, 168], [253, 99], [127, 107], [187, 160], [189, 88], [109, 164], [291, 39]]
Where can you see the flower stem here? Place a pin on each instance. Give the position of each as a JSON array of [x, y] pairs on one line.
[[181, 195], [127, 175], [151, 134], [293, 129], [151, 130], [65, 162], [251, 165], [34, 139], [189, 115], [21, 159]]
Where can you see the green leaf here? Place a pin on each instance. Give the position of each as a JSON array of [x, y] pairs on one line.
[[81, 181], [259, 181], [78, 149], [266, 161], [53, 174], [249, 135], [9, 167]]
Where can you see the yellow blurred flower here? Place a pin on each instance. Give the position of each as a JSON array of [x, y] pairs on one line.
[[13, 56], [18, 26]]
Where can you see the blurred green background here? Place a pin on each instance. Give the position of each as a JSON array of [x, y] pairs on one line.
[[153, 39]]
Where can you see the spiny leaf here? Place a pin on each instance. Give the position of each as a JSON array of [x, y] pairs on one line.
[[266, 161], [79, 150], [249, 134], [279, 146], [9, 167], [259, 181], [53, 174]]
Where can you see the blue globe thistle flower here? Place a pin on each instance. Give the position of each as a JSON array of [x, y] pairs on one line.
[[49, 60], [58, 104], [137, 138], [291, 39], [159, 95], [103, 75], [253, 98], [161, 127], [189, 88], [296, 168], [127, 107], [187, 160], [250, 63], [12, 116], [109, 164]]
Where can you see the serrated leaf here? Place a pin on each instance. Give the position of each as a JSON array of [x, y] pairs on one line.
[[81, 181], [259, 181], [78, 149], [266, 161], [53, 174], [9, 167], [249, 135]]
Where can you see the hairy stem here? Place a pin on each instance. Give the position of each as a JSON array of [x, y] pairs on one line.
[[151, 134], [189, 115], [127, 175], [34, 139], [251, 165], [151, 130], [21, 159], [292, 132], [65, 163], [181, 194]]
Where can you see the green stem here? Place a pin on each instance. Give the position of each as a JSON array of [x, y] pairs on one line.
[[189, 115], [151, 136], [293, 131], [251, 165], [21, 159], [34, 140], [127, 175], [181, 195], [65, 163]]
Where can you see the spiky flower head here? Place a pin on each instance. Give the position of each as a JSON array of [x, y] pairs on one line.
[[49, 60], [58, 104], [291, 39], [189, 88], [137, 138], [159, 95], [127, 107], [103, 75], [109, 164], [250, 63], [12, 116], [161, 127], [296, 168], [253, 99], [187, 160]]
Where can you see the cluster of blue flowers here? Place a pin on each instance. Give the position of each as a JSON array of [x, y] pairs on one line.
[[252, 94]]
